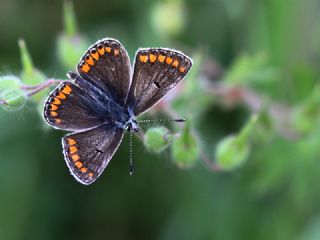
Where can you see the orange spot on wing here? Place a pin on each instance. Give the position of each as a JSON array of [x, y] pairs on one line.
[[61, 95], [58, 120], [78, 164], [71, 141], [161, 58], [83, 170], [168, 60], [67, 89], [175, 63], [53, 107], [85, 68], [143, 58], [182, 69], [108, 49], [53, 113], [153, 58], [89, 60], [116, 52], [101, 51], [75, 157], [56, 101], [90, 174], [95, 55], [73, 149]]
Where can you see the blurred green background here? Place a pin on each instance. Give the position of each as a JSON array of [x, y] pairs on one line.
[[251, 58]]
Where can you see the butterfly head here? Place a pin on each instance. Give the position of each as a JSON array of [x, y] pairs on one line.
[[132, 125]]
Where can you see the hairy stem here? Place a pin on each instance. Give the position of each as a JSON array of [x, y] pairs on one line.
[[32, 90]]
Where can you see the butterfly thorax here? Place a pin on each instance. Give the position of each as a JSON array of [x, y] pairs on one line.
[[127, 121]]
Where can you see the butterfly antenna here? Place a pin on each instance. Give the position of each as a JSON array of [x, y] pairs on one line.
[[130, 154], [162, 120]]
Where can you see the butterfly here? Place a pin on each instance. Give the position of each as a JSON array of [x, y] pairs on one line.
[[102, 99]]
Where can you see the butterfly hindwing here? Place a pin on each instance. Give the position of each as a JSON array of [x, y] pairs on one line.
[[107, 65], [156, 72], [69, 107], [88, 153]]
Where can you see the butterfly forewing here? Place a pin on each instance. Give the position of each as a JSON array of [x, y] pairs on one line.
[[156, 72], [88, 153], [68, 107], [107, 65]]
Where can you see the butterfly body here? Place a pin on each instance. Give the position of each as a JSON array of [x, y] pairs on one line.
[[103, 106], [103, 98]]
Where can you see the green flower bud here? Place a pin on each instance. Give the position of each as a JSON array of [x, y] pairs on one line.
[[70, 44], [15, 99], [157, 139], [70, 49], [233, 151], [168, 18], [9, 82], [185, 149], [30, 75]]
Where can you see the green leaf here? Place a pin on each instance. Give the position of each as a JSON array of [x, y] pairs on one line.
[[252, 70], [306, 115], [157, 139], [185, 148]]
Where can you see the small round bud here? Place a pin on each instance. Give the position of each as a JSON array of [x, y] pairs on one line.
[[168, 18], [15, 99], [9, 82], [185, 149], [157, 139], [231, 153], [70, 49]]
